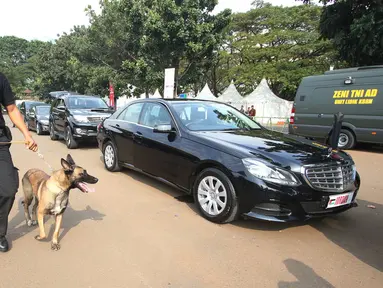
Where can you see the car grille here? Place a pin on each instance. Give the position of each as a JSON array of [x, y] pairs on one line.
[[330, 177], [95, 119]]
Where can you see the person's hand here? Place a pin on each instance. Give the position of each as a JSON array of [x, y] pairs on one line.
[[30, 143]]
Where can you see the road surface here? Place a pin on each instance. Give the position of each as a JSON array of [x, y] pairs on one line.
[[133, 232]]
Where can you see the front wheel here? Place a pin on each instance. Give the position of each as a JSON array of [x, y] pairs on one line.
[[71, 143], [110, 157], [215, 196], [52, 133], [38, 129]]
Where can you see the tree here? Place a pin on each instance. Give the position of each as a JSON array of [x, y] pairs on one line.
[[16, 62], [280, 44], [356, 29]]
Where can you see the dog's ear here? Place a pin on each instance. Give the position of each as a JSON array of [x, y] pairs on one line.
[[70, 160], [67, 167]]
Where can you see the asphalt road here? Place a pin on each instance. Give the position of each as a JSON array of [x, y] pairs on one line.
[[133, 232]]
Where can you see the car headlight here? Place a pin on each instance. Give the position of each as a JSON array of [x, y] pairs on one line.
[[270, 173], [353, 172], [80, 118]]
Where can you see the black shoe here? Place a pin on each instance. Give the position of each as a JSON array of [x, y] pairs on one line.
[[4, 247]]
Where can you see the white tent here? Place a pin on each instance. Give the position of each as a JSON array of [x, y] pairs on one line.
[[232, 96], [206, 94], [268, 106], [156, 94]]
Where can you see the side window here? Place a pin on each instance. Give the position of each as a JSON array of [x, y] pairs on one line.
[[131, 113], [155, 114]]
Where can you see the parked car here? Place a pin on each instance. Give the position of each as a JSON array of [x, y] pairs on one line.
[[25, 107], [230, 164], [38, 119], [75, 118], [355, 92]]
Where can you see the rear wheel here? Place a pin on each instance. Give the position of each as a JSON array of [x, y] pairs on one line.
[[215, 196], [346, 139], [71, 143], [110, 157]]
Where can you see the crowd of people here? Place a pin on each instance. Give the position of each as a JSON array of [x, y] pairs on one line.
[[250, 111]]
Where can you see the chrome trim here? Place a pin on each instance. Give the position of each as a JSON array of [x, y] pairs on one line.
[[335, 165]]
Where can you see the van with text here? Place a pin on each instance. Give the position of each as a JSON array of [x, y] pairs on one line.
[[355, 92]]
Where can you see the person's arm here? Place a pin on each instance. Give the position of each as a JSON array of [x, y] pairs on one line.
[[18, 120], [8, 101]]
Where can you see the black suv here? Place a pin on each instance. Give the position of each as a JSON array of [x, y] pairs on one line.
[[75, 118]]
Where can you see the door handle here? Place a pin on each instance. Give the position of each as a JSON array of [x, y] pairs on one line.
[[138, 134], [117, 125], [320, 115]]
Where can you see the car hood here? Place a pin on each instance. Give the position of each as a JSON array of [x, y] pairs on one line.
[[277, 148], [90, 112]]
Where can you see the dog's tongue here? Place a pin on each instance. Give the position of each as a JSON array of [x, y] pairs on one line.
[[86, 188]]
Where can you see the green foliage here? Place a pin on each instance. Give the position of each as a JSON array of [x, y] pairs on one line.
[[17, 61], [356, 29], [281, 44]]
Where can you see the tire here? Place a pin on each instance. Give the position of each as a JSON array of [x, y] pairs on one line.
[[346, 139], [70, 142], [52, 133], [38, 129], [223, 213], [109, 154]]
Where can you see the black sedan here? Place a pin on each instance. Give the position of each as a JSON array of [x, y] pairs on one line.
[[230, 164], [38, 119]]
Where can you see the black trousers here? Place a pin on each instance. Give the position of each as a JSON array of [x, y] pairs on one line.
[[9, 184], [6, 204]]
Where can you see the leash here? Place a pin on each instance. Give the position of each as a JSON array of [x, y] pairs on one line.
[[39, 154]]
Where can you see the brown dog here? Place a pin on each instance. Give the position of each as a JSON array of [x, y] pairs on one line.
[[51, 194]]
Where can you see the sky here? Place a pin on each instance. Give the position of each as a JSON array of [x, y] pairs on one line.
[[44, 19]]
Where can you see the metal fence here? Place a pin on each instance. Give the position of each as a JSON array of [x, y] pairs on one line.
[[274, 123]]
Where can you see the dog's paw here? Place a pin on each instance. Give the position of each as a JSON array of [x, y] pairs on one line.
[[39, 238], [34, 223], [55, 246], [29, 223]]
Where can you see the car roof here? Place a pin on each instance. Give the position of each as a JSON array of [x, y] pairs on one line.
[[175, 100], [76, 95]]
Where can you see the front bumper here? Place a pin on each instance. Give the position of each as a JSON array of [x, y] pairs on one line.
[[84, 131], [268, 202]]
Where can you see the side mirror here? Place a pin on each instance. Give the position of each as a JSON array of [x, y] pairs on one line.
[[165, 128], [31, 114]]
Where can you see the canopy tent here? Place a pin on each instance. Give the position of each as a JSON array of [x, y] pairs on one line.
[[268, 106], [156, 95], [206, 94], [232, 96]]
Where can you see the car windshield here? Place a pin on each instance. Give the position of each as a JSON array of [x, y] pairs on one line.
[[86, 103], [211, 116], [43, 110]]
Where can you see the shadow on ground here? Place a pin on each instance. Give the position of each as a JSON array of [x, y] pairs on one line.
[[358, 231], [17, 227], [306, 276]]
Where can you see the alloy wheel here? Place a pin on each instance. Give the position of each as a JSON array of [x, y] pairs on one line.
[[343, 140], [212, 195], [109, 156]]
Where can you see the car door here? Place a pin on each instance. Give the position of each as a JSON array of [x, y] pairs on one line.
[[124, 126], [157, 153], [32, 117]]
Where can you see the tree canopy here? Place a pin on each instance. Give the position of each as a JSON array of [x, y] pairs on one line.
[[356, 29], [131, 42]]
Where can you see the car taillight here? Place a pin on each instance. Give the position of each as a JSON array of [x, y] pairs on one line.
[[292, 116]]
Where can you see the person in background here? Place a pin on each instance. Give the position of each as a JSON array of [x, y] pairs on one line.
[[9, 175], [252, 111], [242, 109]]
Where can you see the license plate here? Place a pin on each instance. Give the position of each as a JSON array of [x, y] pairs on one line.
[[340, 200]]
